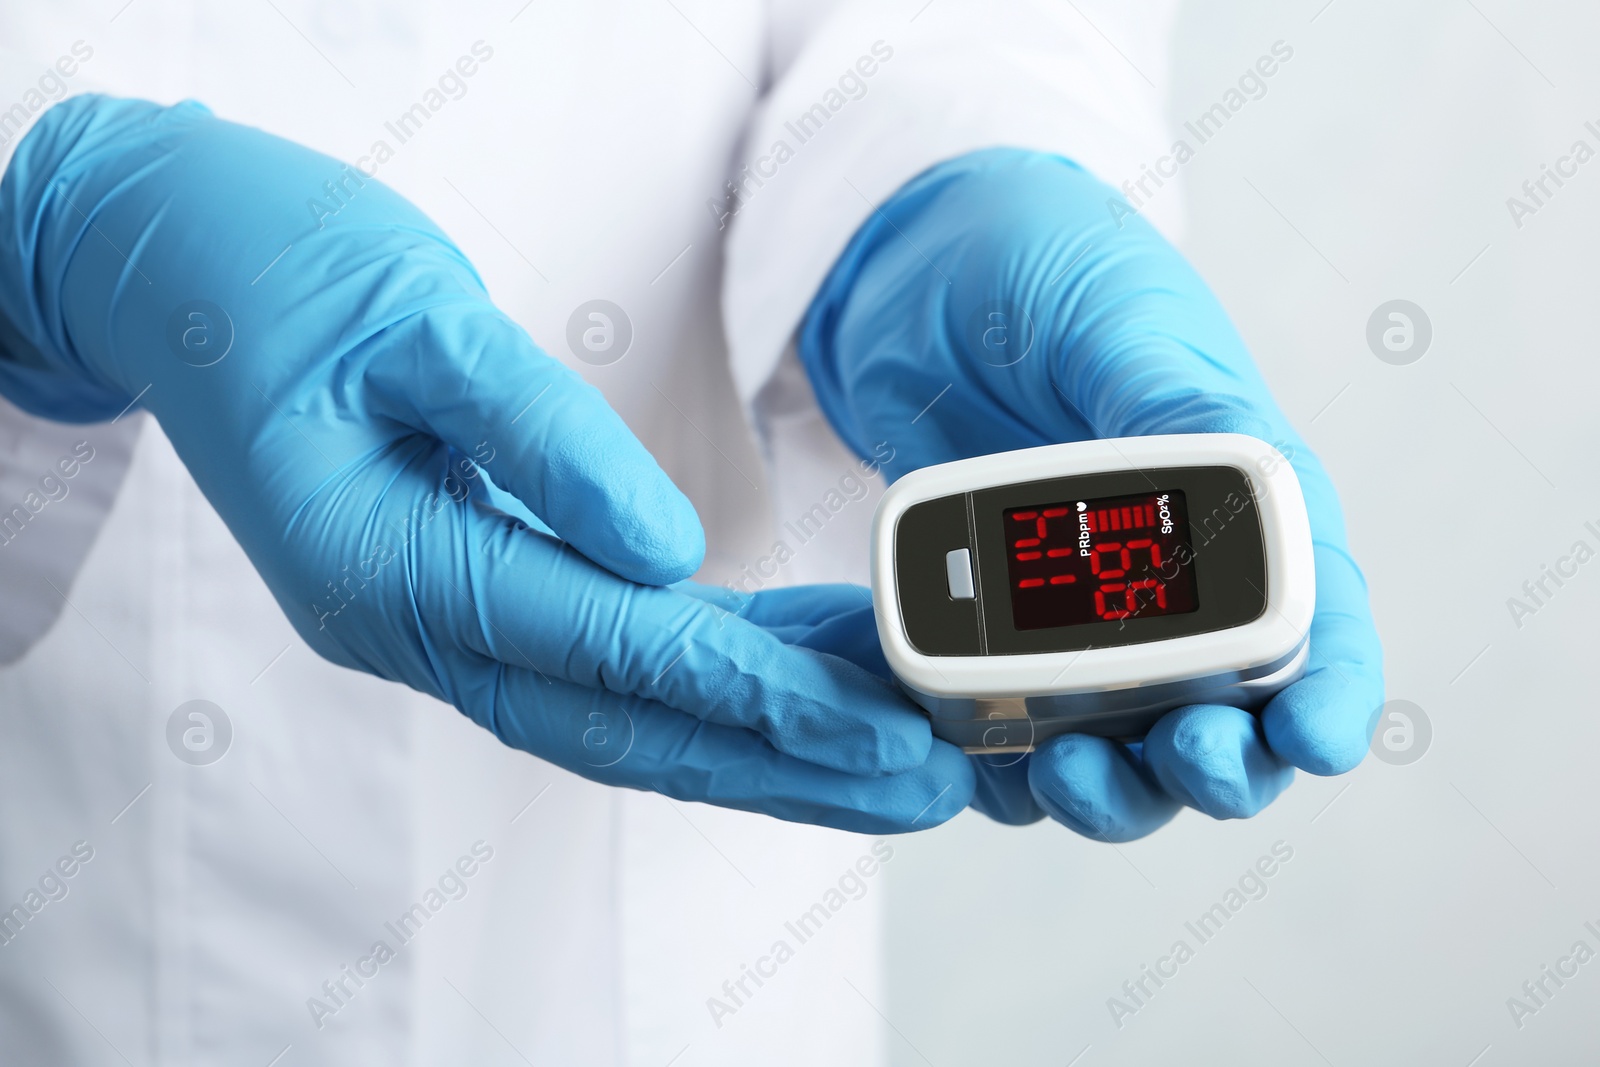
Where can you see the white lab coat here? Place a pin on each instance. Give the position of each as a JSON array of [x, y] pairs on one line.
[[225, 913]]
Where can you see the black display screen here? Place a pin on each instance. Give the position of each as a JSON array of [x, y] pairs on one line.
[[1211, 574], [1100, 559]]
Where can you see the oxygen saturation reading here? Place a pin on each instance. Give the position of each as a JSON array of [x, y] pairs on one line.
[[1123, 557]]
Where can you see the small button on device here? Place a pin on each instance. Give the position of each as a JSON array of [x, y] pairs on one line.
[[958, 574]]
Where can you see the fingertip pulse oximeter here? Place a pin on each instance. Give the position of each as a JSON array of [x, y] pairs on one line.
[[1091, 587]]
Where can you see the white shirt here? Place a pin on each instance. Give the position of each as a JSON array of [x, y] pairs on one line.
[[222, 909]]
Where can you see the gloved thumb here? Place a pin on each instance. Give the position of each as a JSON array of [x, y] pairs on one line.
[[474, 379]]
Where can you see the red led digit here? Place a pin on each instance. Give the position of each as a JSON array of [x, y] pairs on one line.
[[1029, 555], [1155, 549], [1149, 583], [1063, 579], [1026, 542], [1029, 583], [1110, 546], [1100, 602], [1024, 516]]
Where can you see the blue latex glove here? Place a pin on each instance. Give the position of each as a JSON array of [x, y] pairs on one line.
[[345, 412], [1002, 284]]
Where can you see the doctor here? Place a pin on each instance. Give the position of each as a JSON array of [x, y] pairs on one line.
[[267, 423]]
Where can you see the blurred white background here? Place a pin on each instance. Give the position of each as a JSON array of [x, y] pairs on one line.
[[1420, 897]]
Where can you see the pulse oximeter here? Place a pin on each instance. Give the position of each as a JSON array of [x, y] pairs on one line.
[[1092, 587]]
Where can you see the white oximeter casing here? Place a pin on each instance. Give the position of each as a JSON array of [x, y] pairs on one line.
[[1091, 587]]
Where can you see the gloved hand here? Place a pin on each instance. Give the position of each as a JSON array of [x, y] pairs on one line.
[[429, 497], [996, 302]]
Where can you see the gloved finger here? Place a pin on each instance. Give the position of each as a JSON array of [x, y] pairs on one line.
[[718, 596], [850, 635], [786, 606], [1002, 791], [1057, 319], [1215, 759], [1132, 341], [1098, 787], [1131, 371], [639, 743], [533, 601], [789, 630], [1323, 723], [807, 605], [471, 377]]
